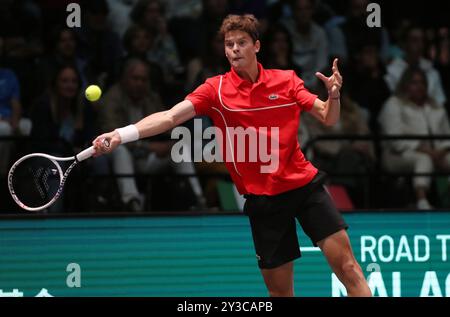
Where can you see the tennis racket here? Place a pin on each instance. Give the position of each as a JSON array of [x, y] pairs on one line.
[[36, 180]]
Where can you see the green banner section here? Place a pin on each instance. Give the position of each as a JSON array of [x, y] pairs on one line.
[[401, 254]]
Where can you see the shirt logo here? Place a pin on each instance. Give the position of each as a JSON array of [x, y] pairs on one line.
[[273, 97]]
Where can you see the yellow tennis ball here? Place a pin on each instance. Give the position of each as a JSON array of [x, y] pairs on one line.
[[93, 93]]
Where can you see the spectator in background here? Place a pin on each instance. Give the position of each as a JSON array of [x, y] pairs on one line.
[[414, 49], [183, 8], [366, 84], [357, 33], [11, 121], [411, 110], [149, 14], [20, 28], [62, 121], [119, 15], [62, 125], [137, 43], [396, 36], [126, 102], [211, 63], [191, 33], [63, 51], [348, 31], [310, 41], [98, 45], [442, 60], [278, 49]]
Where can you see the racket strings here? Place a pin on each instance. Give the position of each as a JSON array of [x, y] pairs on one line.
[[43, 176], [40, 177]]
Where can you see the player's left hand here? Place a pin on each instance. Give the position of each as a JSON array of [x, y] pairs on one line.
[[334, 82]]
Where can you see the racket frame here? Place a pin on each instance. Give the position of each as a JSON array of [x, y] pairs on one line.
[[63, 176]]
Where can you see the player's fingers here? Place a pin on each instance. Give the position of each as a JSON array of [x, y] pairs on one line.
[[338, 77], [97, 140], [335, 65], [106, 142], [322, 77]]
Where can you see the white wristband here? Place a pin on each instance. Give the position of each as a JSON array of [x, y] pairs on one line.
[[128, 134]]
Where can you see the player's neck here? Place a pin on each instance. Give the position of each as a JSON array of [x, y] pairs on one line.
[[250, 73]]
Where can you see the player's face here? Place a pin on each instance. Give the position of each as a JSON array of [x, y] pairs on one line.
[[240, 49]]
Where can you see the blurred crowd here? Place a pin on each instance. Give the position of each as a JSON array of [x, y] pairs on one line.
[[146, 55]]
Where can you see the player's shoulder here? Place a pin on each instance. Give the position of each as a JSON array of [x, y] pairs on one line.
[[280, 74], [214, 80]]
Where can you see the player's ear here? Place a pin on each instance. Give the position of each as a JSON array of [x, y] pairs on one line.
[[257, 46]]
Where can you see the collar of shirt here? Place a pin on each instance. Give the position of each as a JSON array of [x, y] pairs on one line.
[[237, 81]]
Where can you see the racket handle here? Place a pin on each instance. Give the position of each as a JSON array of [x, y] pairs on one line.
[[85, 154]]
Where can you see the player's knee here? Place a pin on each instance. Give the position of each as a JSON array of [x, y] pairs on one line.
[[350, 270], [280, 289]]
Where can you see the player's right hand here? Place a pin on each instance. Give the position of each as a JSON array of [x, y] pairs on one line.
[[106, 143]]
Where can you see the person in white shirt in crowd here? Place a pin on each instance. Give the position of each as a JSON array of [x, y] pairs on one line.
[[414, 48], [411, 110], [119, 15]]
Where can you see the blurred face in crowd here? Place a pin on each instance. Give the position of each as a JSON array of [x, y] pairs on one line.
[[303, 12], [415, 44], [141, 42], [280, 44], [240, 49], [153, 15], [66, 45], [136, 81], [67, 83], [417, 89]]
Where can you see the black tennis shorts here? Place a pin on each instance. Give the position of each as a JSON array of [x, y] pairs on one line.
[[272, 220]]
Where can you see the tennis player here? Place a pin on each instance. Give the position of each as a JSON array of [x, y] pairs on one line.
[[251, 96]]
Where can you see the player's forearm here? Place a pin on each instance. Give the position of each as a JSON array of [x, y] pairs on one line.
[[333, 110], [151, 125], [154, 124]]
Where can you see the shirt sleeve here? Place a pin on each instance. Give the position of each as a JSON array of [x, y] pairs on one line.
[[202, 98], [303, 97]]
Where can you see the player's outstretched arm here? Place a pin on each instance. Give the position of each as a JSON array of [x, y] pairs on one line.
[[151, 125]]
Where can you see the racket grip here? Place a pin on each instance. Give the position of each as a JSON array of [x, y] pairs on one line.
[[85, 154]]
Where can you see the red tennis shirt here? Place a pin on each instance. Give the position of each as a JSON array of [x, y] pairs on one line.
[[266, 160]]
